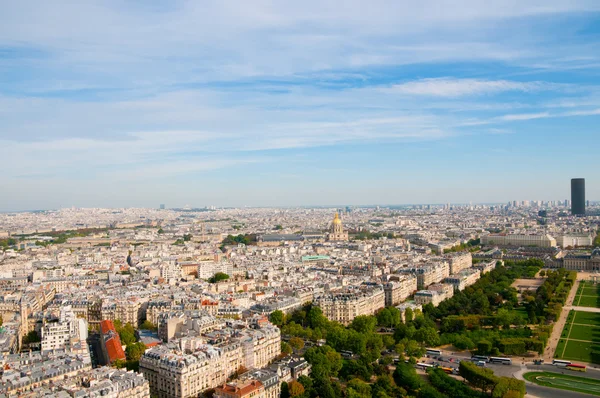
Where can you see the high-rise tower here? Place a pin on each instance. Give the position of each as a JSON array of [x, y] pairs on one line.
[[578, 196]]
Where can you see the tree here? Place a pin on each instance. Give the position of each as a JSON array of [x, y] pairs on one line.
[[147, 325], [484, 347], [406, 376], [408, 315], [428, 335], [32, 337], [218, 277], [285, 390], [286, 348], [135, 351], [126, 333], [277, 317], [364, 324], [161, 231], [297, 343], [295, 389], [359, 389]]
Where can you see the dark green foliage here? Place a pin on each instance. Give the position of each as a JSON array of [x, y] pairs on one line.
[[218, 277]]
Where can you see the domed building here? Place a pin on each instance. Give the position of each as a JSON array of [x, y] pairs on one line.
[[336, 232]]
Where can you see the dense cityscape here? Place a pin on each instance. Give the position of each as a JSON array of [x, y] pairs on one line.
[[315, 199], [246, 302]]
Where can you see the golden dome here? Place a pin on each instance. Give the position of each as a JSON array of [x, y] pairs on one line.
[[336, 219]]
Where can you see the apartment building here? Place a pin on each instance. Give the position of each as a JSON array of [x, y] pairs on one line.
[[574, 240], [464, 278], [428, 274], [459, 261], [434, 294], [399, 289], [191, 365], [351, 302]]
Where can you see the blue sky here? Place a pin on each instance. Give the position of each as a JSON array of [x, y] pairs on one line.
[[267, 103]]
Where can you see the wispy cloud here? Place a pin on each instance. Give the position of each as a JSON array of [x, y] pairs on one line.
[[451, 87]]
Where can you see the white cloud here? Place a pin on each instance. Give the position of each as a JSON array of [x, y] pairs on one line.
[[525, 116], [450, 87]]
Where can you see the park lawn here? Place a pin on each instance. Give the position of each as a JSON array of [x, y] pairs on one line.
[[587, 318], [588, 301], [584, 351], [559, 348], [584, 332], [564, 382], [590, 291]]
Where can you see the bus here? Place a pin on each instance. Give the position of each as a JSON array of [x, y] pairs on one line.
[[347, 354], [425, 366], [447, 370], [477, 358], [430, 351], [503, 361], [560, 363], [576, 367]]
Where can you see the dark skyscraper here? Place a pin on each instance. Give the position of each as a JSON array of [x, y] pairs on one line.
[[578, 196]]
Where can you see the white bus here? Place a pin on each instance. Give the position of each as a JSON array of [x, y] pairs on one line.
[[561, 363], [430, 351], [503, 361], [425, 366], [477, 358]]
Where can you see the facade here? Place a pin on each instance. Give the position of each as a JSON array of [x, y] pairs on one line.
[[578, 196], [464, 278], [459, 261], [518, 240], [581, 262], [428, 274], [435, 294], [399, 290], [346, 305], [337, 233], [574, 240]]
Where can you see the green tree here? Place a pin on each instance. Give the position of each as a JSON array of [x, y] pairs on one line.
[[135, 351], [408, 315], [364, 324], [484, 347], [32, 337], [286, 348], [406, 377], [277, 317], [358, 388], [218, 277], [147, 325], [297, 343]]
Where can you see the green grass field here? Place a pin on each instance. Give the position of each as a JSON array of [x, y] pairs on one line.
[[588, 295], [564, 382], [580, 338]]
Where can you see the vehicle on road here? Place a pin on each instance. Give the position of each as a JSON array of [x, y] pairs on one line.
[[430, 351], [481, 364], [477, 358], [560, 363], [576, 367], [503, 361]]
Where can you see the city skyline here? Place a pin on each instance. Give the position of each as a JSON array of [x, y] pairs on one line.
[[235, 105]]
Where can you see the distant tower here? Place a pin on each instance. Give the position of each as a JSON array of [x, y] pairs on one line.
[[578, 196], [162, 207]]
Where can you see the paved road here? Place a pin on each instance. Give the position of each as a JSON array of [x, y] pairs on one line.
[[533, 390]]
